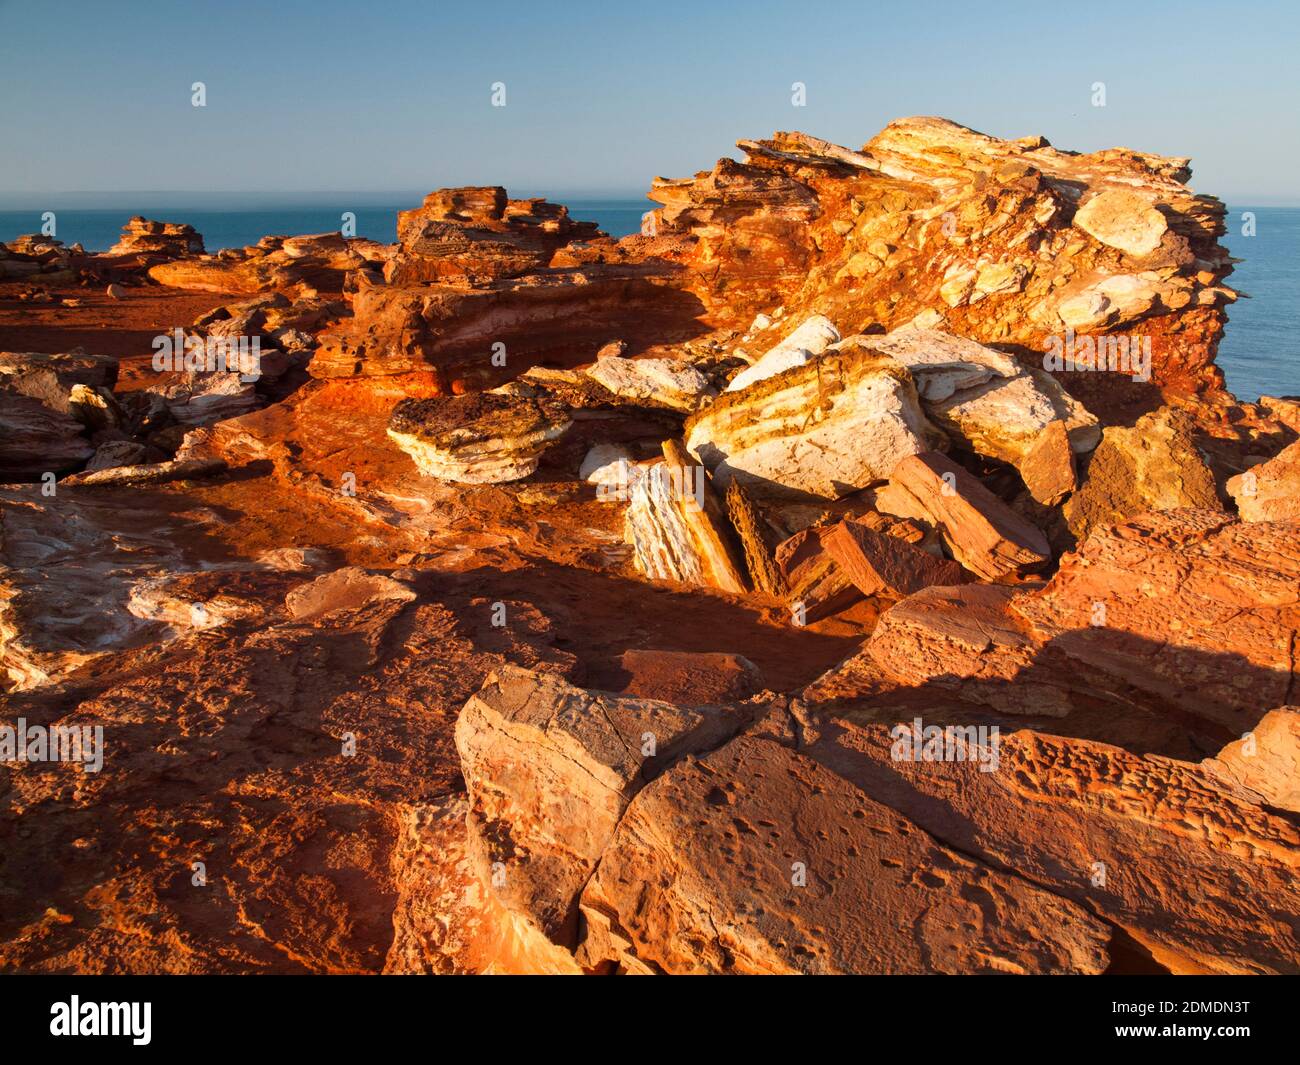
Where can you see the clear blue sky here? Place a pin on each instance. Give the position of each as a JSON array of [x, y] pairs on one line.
[[328, 95]]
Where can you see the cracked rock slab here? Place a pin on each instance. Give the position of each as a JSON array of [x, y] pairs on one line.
[[757, 859], [550, 768], [1198, 872]]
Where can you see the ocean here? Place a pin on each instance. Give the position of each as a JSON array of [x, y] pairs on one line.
[[1260, 353]]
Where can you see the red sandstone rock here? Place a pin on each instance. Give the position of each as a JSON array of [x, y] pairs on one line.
[[1265, 762], [758, 859], [1189, 616], [550, 769], [685, 677], [876, 562], [282, 656], [928, 212], [1198, 873], [35, 440], [1271, 490], [1048, 469], [1155, 465], [158, 240], [984, 535]]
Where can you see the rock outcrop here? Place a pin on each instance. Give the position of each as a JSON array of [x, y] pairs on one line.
[[828, 427], [877, 562], [307, 264], [1007, 242], [477, 234], [158, 241], [1155, 465], [859, 570], [478, 439]]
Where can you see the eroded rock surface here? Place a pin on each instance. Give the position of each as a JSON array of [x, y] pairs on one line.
[[747, 595], [480, 439], [824, 428]]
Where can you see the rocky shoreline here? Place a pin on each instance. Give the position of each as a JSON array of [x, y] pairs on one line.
[[863, 569]]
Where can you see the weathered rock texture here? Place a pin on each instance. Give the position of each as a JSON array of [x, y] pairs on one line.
[[1188, 614], [1155, 465], [984, 398], [479, 439], [158, 240], [825, 428], [406, 636], [700, 877], [1271, 490], [477, 234], [550, 770], [319, 262], [1010, 242], [983, 534], [676, 528]]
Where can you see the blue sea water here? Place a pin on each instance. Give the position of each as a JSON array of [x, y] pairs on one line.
[[1260, 353], [235, 220]]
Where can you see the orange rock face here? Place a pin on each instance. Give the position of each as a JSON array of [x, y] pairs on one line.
[[811, 583], [931, 217]]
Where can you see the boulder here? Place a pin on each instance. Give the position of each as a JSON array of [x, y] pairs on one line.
[[985, 398], [1048, 467], [68, 369], [815, 586], [150, 472], [982, 532], [676, 528], [1271, 490], [656, 382], [550, 770], [756, 538], [116, 453], [802, 346], [35, 440], [824, 429], [202, 397], [878, 563], [477, 439], [1122, 219], [350, 588], [1155, 465], [606, 464], [1265, 762]]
